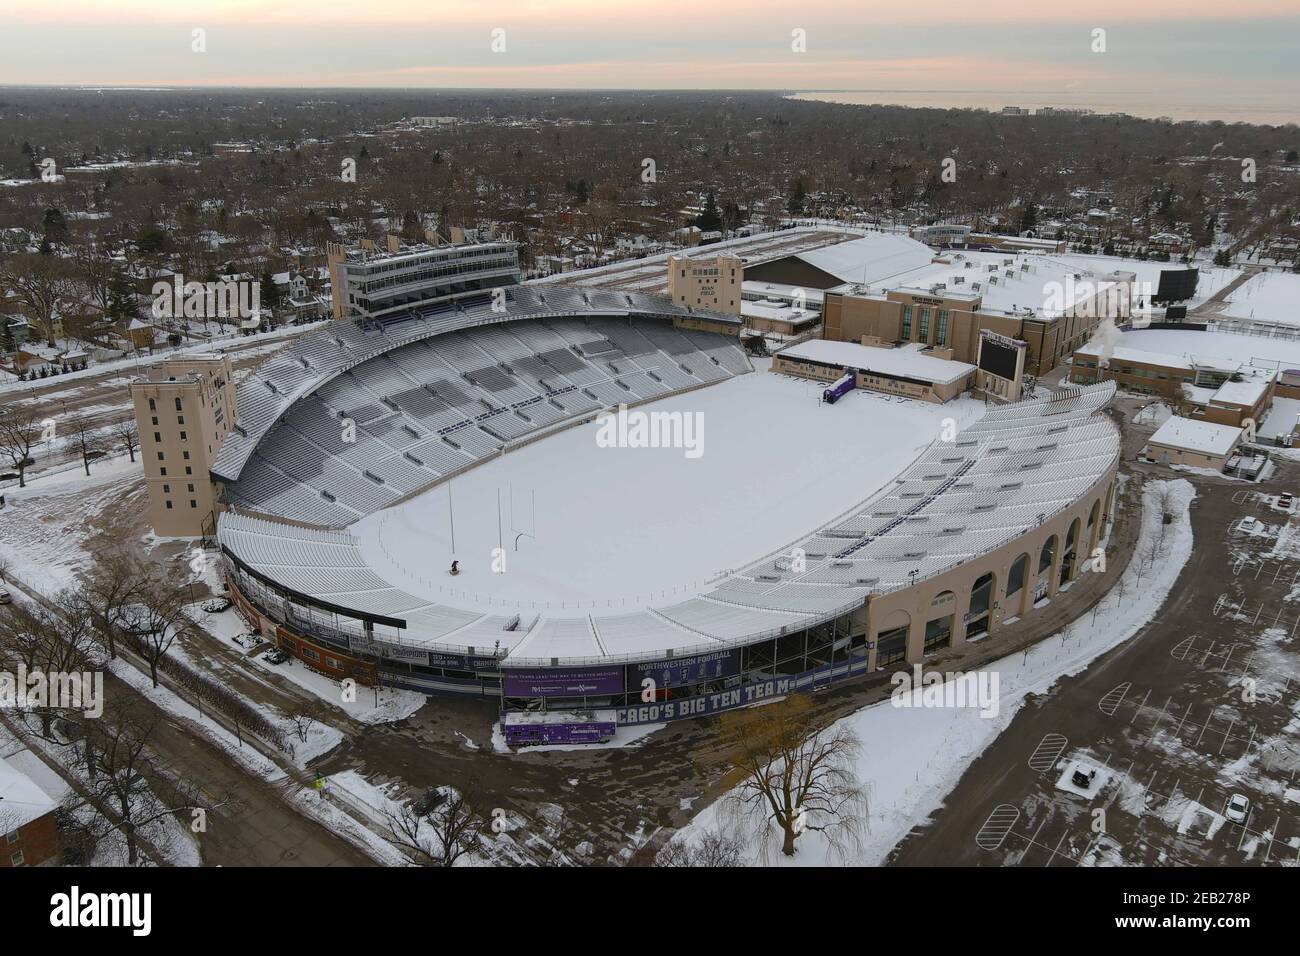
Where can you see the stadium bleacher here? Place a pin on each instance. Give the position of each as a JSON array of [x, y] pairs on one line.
[[376, 431]]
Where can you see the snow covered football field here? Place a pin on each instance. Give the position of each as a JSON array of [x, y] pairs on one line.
[[618, 527]]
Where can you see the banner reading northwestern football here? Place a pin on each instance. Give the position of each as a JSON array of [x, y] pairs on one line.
[[575, 682], [675, 672]]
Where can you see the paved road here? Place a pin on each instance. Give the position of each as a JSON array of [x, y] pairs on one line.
[[103, 398], [1163, 717]]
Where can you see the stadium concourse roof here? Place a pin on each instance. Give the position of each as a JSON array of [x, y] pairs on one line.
[[998, 479], [316, 358]]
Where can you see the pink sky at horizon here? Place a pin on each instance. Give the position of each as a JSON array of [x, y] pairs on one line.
[[639, 44], [508, 12]]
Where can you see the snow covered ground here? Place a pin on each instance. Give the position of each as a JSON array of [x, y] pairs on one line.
[[43, 526], [614, 525], [912, 757], [1270, 296]]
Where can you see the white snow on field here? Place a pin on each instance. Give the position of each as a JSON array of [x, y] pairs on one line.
[[912, 758], [1272, 296], [618, 527]]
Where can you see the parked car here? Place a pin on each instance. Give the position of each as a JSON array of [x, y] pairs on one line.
[[1084, 776], [217, 605], [6, 597], [1250, 524], [275, 656], [1237, 809], [1285, 501]]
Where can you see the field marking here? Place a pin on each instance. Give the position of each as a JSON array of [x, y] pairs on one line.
[[1047, 752], [1111, 701], [995, 829]]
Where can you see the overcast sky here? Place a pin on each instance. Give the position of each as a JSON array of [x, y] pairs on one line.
[[1245, 47]]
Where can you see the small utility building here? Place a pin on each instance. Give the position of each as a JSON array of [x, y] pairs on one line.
[[1198, 444], [908, 371]]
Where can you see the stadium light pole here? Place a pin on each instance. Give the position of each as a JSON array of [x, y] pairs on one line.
[[451, 517]]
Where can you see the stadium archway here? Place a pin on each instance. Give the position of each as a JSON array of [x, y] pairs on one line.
[[979, 614], [892, 639], [1017, 584]]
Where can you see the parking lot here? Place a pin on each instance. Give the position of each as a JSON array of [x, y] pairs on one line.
[[1202, 705]]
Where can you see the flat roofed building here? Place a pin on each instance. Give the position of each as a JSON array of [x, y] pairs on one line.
[[1048, 304], [1228, 380], [906, 371], [1196, 444], [184, 408]]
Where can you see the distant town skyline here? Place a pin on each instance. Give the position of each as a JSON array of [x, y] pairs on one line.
[[1158, 48]]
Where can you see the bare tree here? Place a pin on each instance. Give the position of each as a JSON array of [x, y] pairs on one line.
[[38, 282], [88, 444], [159, 619], [713, 849], [21, 429], [790, 778], [115, 584], [127, 435], [56, 642], [120, 767], [301, 724], [439, 828]]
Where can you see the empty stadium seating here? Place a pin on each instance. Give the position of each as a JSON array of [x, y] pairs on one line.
[[395, 423]]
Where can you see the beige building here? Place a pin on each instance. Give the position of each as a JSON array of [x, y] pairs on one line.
[[184, 408], [905, 371], [396, 279], [1221, 391], [707, 283], [954, 320], [974, 599], [1191, 443]]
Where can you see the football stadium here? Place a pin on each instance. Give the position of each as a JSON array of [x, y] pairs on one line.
[[426, 502]]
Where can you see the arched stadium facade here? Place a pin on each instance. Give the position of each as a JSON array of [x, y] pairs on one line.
[[971, 536]]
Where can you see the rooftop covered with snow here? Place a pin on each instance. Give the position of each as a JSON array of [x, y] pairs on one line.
[[895, 362], [21, 800], [1189, 434]]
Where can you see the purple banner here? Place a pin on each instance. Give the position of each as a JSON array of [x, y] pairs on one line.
[[574, 682]]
